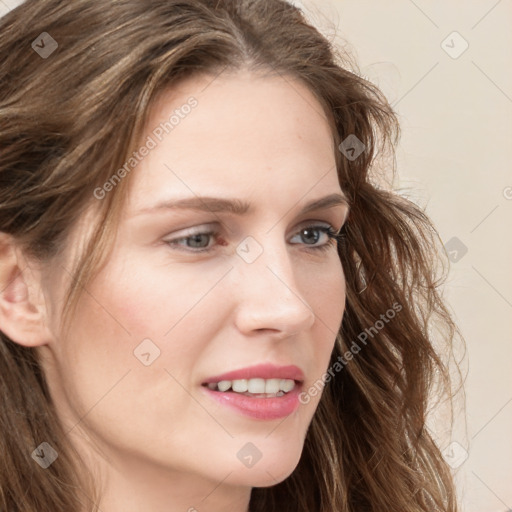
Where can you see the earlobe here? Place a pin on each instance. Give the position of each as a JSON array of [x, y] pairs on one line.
[[22, 309]]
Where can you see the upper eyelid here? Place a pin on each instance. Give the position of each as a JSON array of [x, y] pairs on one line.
[[333, 221], [201, 229]]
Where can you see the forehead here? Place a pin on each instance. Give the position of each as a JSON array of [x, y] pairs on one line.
[[242, 131]]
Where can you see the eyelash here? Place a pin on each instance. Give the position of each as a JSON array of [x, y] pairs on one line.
[[334, 238]]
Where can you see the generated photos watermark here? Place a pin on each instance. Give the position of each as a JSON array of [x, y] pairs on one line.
[[152, 141], [355, 348]]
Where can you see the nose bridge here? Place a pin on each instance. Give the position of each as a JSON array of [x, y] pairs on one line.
[[270, 297]]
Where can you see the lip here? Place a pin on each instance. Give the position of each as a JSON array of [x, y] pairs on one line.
[[263, 371], [258, 408]]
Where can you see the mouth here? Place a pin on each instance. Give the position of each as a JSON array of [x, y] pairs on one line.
[[264, 391], [280, 397], [256, 387]]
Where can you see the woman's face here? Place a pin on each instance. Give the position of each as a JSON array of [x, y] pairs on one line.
[[168, 314]]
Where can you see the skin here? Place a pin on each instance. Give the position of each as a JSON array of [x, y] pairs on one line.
[[149, 433]]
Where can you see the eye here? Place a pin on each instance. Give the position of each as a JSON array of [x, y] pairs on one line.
[[311, 234], [197, 240]]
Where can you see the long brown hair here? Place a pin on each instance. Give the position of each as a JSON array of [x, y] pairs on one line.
[[69, 120]]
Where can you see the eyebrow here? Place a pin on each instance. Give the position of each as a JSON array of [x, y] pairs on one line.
[[237, 206]]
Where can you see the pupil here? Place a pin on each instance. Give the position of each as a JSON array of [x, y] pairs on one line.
[[197, 238]]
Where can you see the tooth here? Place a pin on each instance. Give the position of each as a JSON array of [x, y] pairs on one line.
[[224, 385], [239, 385], [272, 385], [256, 386], [287, 385]]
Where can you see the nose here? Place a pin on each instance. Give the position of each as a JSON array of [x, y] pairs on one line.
[[269, 299]]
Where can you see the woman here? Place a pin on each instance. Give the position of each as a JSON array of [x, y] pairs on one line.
[[207, 302]]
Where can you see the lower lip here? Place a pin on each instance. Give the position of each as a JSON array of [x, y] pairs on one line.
[[259, 408]]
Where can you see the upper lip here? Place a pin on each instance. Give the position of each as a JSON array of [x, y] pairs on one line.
[[263, 371]]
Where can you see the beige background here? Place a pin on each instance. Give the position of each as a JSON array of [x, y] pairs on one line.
[[453, 159]]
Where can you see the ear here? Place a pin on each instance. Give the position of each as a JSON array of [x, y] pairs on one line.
[[22, 307]]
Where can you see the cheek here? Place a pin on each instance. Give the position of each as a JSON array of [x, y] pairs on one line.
[[114, 314], [101, 379], [326, 294], [98, 343], [152, 300], [132, 309]]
